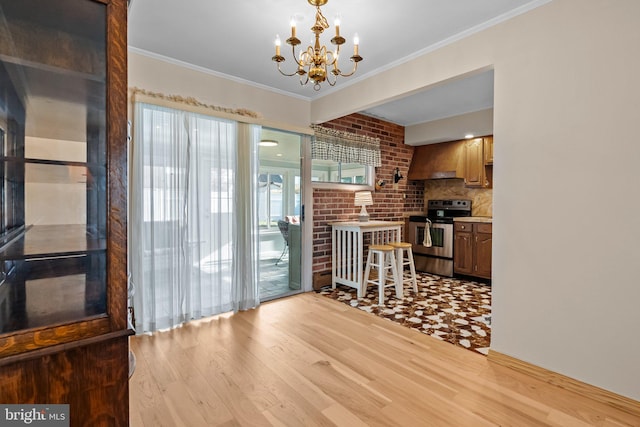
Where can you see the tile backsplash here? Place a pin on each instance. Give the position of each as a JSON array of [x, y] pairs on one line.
[[481, 198]]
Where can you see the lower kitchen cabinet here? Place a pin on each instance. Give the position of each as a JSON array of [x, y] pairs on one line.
[[463, 249], [472, 249]]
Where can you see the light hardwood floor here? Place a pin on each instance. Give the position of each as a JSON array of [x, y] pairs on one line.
[[311, 361]]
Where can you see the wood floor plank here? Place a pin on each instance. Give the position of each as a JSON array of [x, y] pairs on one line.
[[341, 417], [360, 399], [243, 409], [294, 411], [310, 361], [207, 402], [143, 389], [250, 365], [560, 419], [282, 367], [404, 416], [159, 416], [178, 401]]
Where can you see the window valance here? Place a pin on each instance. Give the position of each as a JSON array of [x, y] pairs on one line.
[[345, 147], [193, 105]]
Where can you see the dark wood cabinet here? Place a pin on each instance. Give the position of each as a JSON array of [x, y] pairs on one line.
[[482, 242], [463, 249], [63, 271], [472, 249]]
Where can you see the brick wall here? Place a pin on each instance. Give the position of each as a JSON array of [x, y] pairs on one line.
[[388, 203]]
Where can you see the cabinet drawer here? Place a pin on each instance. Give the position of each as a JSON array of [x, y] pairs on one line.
[[463, 226], [482, 227]]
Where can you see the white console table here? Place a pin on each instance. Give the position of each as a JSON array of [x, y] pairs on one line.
[[347, 248]]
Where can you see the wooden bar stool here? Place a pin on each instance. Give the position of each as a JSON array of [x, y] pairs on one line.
[[383, 259], [402, 249]]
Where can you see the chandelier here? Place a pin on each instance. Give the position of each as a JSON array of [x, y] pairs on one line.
[[314, 62]]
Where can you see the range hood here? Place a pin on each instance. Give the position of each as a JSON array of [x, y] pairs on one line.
[[438, 161]]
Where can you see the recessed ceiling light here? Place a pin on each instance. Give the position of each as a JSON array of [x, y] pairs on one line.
[[469, 136], [268, 143], [279, 155]]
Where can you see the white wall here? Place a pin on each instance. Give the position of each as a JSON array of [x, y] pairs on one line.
[[566, 287], [566, 110], [478, 123]]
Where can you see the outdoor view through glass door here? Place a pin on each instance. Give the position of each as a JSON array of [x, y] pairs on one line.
[[279, 214]]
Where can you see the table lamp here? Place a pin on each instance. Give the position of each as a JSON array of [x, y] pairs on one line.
[[364, 199]]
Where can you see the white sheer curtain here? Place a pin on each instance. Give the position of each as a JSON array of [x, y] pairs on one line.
[[193, 225], [245, 226]]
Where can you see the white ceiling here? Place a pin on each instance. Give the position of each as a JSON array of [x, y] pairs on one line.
[[235, 40], [452, 98]]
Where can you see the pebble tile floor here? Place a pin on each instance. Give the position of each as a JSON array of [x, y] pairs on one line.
[[449, 309]]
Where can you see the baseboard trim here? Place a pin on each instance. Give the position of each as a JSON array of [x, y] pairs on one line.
[[596, 393]]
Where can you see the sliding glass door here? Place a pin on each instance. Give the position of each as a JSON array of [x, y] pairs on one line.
[[279, 214]]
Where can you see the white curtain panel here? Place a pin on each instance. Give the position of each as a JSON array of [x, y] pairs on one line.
[[245, 229], [193, 224]]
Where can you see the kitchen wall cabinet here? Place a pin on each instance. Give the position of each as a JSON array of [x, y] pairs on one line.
[[474, 163], [437, 161], [63, 273], [471, 160], [488, 150], [472, 249], [475, 160]]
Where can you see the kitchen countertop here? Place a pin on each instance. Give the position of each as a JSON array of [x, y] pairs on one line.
[[367, 224], [486, 219]]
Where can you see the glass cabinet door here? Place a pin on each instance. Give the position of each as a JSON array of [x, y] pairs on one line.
[[53, 133]]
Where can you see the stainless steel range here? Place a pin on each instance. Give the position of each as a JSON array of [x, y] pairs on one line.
[[435, 255]]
